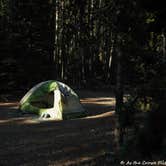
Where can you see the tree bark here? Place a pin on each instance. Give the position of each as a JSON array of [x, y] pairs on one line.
[[119, 88], [119, 83]]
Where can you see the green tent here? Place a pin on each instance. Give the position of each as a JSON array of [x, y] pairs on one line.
[[52, 100]]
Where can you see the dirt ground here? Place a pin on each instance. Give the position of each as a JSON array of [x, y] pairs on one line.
[[26, 141]]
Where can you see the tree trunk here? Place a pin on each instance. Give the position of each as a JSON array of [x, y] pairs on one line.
[[119, 87]]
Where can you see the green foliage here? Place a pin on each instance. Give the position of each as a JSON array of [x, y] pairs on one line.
[[4, 6]]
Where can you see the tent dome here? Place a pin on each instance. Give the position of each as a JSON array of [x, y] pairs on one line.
[[52, 99]]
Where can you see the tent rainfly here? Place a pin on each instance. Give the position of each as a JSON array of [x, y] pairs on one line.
[[52, 100]]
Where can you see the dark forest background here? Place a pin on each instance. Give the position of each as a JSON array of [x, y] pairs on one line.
[[77, 42]]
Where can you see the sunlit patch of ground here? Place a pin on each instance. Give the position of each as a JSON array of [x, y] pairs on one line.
[[9, 104], [106, 101], [111, 113], [96, 107]]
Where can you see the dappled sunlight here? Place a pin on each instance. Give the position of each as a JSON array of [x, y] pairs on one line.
[[36, 120], [99, 101], [52, 142], [106, 114], [96, 107], [20, 120], [9, 104]]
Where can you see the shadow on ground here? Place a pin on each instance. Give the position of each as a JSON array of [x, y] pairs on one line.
[[27, 141]]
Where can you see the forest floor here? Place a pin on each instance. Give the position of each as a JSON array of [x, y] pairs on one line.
[[26, 141]]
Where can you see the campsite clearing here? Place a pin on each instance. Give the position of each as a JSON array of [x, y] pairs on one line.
[[27, 141]]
